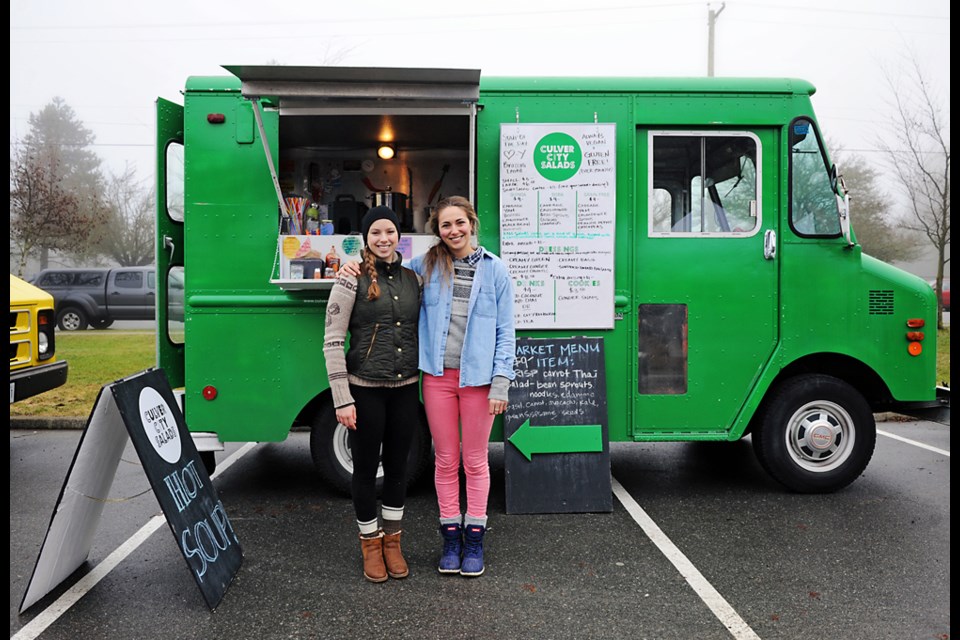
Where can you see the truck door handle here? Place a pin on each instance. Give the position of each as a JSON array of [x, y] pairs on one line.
[[168, 244], [770, 244]]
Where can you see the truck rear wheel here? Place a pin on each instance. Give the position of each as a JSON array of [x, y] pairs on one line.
[[816, 434], [72, 319], [330, 448], [101, 324]]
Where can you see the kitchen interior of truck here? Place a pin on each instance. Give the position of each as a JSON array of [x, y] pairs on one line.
[[337, 125]]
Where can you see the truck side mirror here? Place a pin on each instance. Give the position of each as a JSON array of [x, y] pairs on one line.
[[843, 202]]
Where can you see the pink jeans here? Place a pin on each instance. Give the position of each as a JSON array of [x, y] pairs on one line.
[[448, 406]]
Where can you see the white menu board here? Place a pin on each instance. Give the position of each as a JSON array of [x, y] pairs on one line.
[[557, 219]]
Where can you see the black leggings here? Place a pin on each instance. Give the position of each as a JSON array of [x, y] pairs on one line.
[[388, 417]]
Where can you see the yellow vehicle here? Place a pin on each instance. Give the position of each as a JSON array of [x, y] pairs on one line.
[[34, 367]]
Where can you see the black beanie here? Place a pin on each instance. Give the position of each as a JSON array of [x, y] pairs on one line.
[[378, 213]]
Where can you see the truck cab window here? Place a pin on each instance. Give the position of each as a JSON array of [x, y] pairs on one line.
[[89, 279], [813, 203], [703, 183], [129, 280]]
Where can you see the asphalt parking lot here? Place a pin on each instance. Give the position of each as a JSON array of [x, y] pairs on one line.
[[700, 544]]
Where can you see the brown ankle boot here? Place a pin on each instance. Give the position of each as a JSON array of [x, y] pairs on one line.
[[396, 565], [372, 549]]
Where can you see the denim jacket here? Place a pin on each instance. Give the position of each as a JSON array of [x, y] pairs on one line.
[[489, 342]]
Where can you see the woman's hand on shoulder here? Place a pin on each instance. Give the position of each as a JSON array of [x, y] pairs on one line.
[[351, 267]]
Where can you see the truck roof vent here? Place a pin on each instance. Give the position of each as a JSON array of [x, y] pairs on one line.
[[881, 302]]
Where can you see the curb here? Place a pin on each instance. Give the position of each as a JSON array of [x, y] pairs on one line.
[[41, 422]]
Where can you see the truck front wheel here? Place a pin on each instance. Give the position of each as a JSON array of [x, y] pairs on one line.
[[816, 434], [72, 319], [330, 448]]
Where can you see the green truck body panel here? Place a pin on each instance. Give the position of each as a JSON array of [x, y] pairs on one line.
[[819, 304]]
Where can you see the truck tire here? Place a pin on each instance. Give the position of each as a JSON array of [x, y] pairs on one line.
[[101, 324], [816, 434], [333, 460], [72, 319]]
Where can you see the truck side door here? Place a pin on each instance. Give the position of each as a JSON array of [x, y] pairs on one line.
[[171, 296], [705, 282]]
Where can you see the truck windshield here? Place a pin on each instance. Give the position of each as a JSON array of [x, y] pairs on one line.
[[813, 203]]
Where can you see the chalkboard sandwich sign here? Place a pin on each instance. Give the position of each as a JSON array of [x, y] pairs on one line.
[[557, 456], [144, 404]]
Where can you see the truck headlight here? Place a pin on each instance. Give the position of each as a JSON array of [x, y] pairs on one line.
[[43, 343]]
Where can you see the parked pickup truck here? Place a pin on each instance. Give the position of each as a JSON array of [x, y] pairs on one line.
[[96, 297]]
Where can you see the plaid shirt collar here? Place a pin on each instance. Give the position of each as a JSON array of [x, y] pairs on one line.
[[473, 258]]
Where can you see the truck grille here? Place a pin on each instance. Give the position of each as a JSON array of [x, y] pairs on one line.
[[20, 347], [881, 302]]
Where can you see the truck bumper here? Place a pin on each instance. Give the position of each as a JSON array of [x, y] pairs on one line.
[[937, 411], [29, 382]]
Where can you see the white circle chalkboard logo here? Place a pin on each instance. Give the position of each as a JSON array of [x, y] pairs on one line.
[[159, 425]]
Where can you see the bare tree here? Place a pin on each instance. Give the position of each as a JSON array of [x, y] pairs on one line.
[[919, 154], [42, 212], [128, 236], [876, 229]]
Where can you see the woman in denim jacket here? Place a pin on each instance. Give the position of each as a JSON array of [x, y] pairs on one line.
[[467, 352]]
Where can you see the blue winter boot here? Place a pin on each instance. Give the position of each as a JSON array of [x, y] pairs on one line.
[[472, 564], [450, 556]]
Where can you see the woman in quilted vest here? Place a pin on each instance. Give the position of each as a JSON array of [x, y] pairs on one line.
[[374, 384]]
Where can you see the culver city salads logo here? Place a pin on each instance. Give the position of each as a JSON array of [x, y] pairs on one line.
[[557, 156], [159, 425]]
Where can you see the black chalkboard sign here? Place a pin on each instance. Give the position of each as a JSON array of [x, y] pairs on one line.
[[189, 501], [556, 443], [141, 407]]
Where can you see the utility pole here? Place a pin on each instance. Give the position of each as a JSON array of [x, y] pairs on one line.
[[711, 21]]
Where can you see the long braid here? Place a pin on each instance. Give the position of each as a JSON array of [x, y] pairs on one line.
[[370, 266]]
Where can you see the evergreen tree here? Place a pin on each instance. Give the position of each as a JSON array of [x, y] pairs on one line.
[[54, 160]]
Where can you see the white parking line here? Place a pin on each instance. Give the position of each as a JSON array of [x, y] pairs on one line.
[[710, 596], [913, 442], [50, 615]]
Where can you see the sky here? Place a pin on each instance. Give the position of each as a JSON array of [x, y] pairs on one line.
[[111, 59]]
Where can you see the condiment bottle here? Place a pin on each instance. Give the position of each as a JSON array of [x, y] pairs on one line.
[[316, 274], [333, 260]]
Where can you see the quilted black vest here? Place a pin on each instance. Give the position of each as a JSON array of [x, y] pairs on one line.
[[383, 332]]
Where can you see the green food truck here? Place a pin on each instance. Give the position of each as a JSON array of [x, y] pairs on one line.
[[696, 225]]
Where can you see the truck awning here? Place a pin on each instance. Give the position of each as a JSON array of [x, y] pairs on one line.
[[303, 87]]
